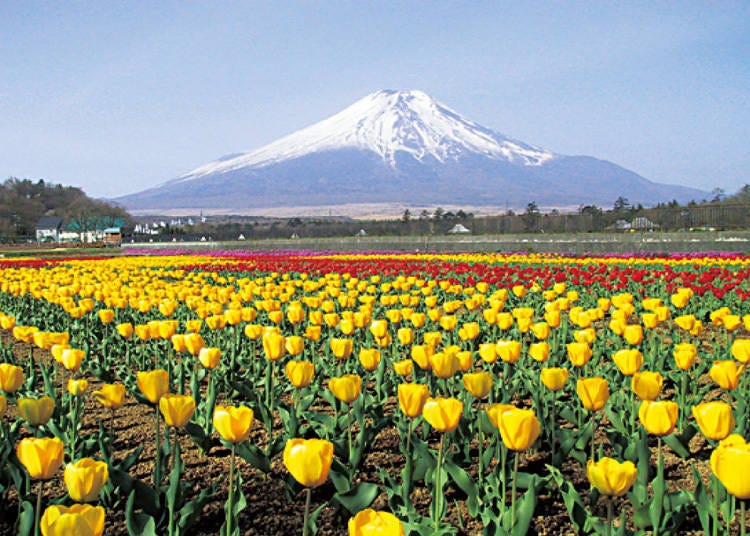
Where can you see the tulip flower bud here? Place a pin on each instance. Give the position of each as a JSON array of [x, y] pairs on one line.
[[412, 398], [368, 522], [347, 388], [36, 411], [253, 331], [579, 353], [443, 364], [519, 428], [41, 456], [404, 367], [478, 384], [341, 348], [730, 462], [233, 423], [554, 379], [85, 478], [508, 350], [629, 361], [72, 358], [715, 419], [684, 355], [11, 377], [209, 357], [111, 395], [658, 417], [405, 336], [59, 520], [153, 384], [77, 387], [726, 374], [308, 460], [593, 392], [294, 345], [369, 358], [633, 333], [611, 477], [741, 350], [177, 410], [647, 384], [539, 351], [443, 414], [299, 373], [194, 342]]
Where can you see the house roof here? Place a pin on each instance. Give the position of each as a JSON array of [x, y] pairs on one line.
[[49, 223]]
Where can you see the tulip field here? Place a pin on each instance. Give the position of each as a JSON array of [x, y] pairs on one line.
[[377, 393]]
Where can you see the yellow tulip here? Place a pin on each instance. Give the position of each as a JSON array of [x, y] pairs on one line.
[[379, 328], [539, 351], [369, 358], [405, 336], [541, 330], [519, 428], [579, 353], [274, 346], [469, 331], [346, 388], [36, 411], [193, 326], [194, 342], [177, 410], [233, 423], [295, 313], [11, 377], [153, 384], [404, 367], [593, 392], [253, 331], [647, 384], [658, 417], [369, 522], [417, 320], [443, 414], [554, 379], [741, 350], [726, 374], [78, 519], [685, 322], [209, 357], [412, 398], [629, 361], [71, 358], [341, 348], [77, 387], [178, 343], [495, 411], [299, 373], [41, 456], [504, 321], [444, 364], [3, 405], [508, 350], [478, 384], [684, 355], [611, 477], [85, 478], [650, 320], [308, 460], [633, 333], [111, 395], [312, 333], [730, 462], [142, 331], [488, 352], [715, 419]]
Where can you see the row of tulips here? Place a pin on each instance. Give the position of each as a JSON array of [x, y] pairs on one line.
[[410, 335]]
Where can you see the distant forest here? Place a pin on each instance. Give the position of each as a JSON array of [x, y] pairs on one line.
[[23, 202], [721, 212]]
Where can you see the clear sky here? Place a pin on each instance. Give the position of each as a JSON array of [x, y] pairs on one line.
[[116, 97]]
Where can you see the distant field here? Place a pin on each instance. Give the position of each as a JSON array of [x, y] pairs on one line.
[[683, 242]]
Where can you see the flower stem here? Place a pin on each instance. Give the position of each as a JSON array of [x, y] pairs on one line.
[[610, 516], [742, 517], [593, 434], [715, 500], [438, 488], [38, 511], [307, 511], [513, 491], [157, 455], [230, 499], [554, 424]]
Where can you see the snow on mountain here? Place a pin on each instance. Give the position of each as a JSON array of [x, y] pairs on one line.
[[401, 147], [385, 123]]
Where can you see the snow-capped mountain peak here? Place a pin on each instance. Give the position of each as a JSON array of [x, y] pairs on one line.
[[388, 122]]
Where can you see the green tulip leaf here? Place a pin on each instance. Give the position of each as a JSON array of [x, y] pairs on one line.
[[358, 498]]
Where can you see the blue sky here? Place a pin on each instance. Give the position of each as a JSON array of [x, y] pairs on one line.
[[116, 97]]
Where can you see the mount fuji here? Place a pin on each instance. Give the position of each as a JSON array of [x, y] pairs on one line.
[[401, 147]]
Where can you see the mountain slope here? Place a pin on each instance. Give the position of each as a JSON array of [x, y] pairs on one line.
[[401, 147]]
